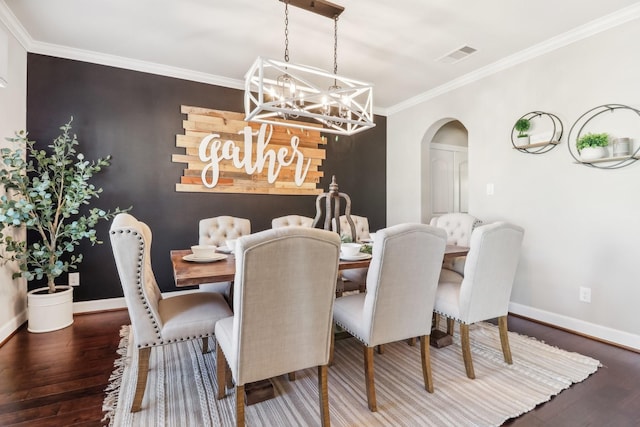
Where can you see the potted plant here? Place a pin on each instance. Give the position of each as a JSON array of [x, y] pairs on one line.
[[522, 126], [45, 191], [592, 146]]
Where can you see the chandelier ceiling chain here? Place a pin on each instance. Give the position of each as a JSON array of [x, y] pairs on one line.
[[335, 45], [277, 91], [286, 31]]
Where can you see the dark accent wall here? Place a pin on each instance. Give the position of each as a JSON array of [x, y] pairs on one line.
[[135, 117]]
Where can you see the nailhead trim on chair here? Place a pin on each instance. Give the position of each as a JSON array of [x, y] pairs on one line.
[[144, 301]]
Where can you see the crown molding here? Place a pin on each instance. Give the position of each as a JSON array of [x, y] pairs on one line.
[[579, 33], [14, 26], [587, 30]]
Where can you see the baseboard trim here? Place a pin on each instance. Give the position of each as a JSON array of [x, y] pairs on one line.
[[114, 303], [8, 329], [590, 330]]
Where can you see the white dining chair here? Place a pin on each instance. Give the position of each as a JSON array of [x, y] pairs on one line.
[[483, 292], [156, 320], [216, 231], [283, 303], [354, 279], [459, 227], [291, 221], [401, 286]]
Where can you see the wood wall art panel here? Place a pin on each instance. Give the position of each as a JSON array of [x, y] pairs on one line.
[[220, 157]]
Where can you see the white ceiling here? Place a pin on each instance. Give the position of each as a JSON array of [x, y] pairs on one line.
[[392, 44]]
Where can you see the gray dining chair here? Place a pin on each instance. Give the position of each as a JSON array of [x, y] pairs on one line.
[[157, 321], [283, 303], [483, 292], [401, 287]]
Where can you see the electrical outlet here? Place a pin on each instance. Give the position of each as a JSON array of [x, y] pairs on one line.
[[585, 294], [74, 279]]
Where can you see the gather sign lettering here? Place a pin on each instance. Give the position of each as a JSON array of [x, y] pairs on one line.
[[223, 153], [213, 150]]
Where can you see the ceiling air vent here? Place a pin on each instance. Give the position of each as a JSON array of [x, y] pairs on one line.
[[457, 55]]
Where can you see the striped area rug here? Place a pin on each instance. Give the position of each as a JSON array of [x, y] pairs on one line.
[[181, 386]]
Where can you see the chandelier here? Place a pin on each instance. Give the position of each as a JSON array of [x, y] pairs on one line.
[[277, 91]]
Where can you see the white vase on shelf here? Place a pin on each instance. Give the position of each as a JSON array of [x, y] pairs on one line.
[[588, 154]]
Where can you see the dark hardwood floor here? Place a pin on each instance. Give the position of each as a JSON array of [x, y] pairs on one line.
[[58, 378]]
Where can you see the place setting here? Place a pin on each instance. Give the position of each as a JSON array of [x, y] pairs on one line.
[[354, 252], [204, 253]]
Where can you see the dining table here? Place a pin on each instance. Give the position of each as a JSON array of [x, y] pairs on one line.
[[190, 273]]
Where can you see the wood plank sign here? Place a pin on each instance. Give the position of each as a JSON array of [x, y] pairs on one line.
[[225, 154]]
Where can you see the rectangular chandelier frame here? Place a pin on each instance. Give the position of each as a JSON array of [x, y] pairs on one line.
[[343, 105]]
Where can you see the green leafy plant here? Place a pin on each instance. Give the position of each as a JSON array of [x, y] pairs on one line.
[[522, 126], [44, 192], [592, 140]]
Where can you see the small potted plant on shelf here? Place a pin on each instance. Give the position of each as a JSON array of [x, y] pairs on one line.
[[44, 192], [592, 146], [522, 126]]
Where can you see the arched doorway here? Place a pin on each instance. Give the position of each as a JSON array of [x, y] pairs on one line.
[[444, 169]]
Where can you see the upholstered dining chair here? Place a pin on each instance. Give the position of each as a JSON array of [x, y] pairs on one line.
[[483, 292], [401, 287], [157, 320], [354, 279], [459, 226], [216, 231], [291, 221], [283, 303]]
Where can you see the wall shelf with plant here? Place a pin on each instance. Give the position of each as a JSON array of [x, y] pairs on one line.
[[536, 132], [590, 146]]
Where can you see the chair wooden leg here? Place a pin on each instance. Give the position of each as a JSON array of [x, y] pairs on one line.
[[292, 376], [368, 378], [221, 373], [450, 325], [143, 369], [205, 345], [240, 406], [380, 349], [425, 353], [504, 339], [466, 350], [323, 392], [411, 342], [333, 341]]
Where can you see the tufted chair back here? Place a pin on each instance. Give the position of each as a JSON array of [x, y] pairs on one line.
[[361, 223], [216, 230], [459, 227], [131, 243], [291, 221]]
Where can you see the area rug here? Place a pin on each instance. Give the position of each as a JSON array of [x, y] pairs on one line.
[[182, 384]]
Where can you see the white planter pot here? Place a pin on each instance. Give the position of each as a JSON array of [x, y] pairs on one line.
[[49, 312], [522, 140], [588, 154]]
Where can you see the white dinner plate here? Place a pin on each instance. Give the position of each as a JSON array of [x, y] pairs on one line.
[[358, 257], [193, 258], [224, 249]]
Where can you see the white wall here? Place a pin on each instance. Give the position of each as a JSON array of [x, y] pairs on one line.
[[582, 224], [13, 110]]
